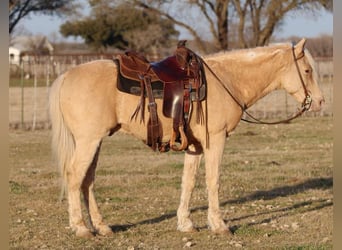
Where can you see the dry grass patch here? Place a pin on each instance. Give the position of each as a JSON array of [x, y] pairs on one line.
[[276, 192]]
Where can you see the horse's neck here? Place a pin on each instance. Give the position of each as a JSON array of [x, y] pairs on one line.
[[252, 76]]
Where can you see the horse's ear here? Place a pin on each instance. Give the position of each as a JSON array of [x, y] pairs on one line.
[[299, 48]]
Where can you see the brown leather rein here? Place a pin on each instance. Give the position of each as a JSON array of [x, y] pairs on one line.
[[306, 104]]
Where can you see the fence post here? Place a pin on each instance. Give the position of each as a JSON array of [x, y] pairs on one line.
[[49, 59], [22, 91], [34, 94]]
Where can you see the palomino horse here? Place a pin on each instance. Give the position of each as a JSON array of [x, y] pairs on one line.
[[85, 107]]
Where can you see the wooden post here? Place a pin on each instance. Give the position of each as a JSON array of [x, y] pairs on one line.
[[49, 58], [34, 94], [22, 92]]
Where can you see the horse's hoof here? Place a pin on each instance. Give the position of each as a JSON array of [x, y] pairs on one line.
[[188, 230], [186, 226], [84, 233], [223, 231], [105, 230]]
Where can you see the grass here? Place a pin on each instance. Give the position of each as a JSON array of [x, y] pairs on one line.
[[275, 193], [18, 82], [306, 247], [16, 188]]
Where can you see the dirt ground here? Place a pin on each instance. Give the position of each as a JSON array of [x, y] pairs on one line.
[[275, 193]]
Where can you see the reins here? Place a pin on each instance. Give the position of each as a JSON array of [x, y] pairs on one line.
[[305, 104]]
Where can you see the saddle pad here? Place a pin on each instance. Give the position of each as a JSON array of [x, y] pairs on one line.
[[131, 67], [133, 87]]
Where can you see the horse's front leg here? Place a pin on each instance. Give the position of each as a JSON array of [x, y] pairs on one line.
[[192, 160], [213, 158]]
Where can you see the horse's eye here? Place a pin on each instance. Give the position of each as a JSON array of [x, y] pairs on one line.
[[307, 71]]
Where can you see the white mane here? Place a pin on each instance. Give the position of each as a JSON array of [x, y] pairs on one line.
[[251, 54], [247, 54]]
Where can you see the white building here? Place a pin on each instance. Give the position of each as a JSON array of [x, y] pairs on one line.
[[14, 55], [28, 44]]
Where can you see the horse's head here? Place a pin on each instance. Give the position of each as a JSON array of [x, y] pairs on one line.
[[300, 78]]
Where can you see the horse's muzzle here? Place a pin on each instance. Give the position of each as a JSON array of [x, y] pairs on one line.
[[317, 104]]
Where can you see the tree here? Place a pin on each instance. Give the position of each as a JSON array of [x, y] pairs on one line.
[[321, 46], [263, 16], [158, 7], [18, 9], [255, 19], [121, 26]]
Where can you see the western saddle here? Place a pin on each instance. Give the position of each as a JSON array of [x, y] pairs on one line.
[[179, 79]]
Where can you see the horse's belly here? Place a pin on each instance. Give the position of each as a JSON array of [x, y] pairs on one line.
[[135, 126]]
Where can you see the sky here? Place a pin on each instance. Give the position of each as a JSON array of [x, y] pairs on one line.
[[296, 24]]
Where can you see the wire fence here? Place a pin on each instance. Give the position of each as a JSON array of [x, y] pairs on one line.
[[30, 83]]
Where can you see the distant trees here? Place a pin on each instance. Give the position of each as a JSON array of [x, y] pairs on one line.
[[252, 22], [260, 18], [18, 9], [321, 46], [150, 24], [121, 26]]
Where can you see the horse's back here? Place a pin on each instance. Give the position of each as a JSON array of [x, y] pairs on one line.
[[89, 73]]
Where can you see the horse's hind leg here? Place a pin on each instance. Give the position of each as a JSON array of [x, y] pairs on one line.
[[89, 198], [85, 152]]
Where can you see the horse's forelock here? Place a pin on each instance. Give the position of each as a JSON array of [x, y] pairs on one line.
[[311, 62]]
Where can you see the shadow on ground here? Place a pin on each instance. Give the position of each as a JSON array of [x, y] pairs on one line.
[[283, 191]]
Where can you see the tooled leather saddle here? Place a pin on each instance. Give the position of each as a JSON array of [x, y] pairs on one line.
[[179, 80]]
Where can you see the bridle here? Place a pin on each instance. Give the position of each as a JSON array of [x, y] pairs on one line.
[[306, 104]]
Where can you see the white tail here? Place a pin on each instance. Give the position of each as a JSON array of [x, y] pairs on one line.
[[63, 145]]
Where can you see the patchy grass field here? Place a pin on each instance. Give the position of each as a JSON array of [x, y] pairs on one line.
[[276, 192]]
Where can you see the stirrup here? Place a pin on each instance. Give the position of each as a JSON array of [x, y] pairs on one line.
[[183, 138]]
